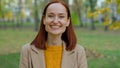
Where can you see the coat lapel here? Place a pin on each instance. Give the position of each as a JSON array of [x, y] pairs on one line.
[[68, 58], [38, 58]]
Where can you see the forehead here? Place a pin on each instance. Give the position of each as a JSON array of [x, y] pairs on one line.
[[56, 8]]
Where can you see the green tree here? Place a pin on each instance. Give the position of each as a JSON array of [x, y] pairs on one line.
[[4, 9], [92, 4], [79, 4]]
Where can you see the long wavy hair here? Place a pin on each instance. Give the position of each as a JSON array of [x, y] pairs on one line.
[[68, 36]]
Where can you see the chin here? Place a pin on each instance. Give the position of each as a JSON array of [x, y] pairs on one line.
[[56, 33]]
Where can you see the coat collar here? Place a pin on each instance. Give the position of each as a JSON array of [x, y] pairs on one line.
[[64, 49], [68, 57]]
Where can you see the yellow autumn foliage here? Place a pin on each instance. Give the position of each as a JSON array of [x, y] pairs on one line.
[[115, 26], [90, 14], [102, 10], [23, 14], [108, 1], [118, 1], [107, 9], [9, 15], [112, 27], [106, 22], [99, 11], [96, 13], [118, 9]]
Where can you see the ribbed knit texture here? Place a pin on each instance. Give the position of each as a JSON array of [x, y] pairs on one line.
[[53, 56]]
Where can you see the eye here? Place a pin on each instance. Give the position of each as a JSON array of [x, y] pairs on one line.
[[50, 16], [61, 16]]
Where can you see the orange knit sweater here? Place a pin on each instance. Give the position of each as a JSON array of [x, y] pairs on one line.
[[53, 56]]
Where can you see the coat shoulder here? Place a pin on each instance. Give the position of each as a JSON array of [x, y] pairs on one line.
[[81, 56], [26, 47], [79, 47]]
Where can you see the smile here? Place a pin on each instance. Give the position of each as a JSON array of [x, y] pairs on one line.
[[55, 27]]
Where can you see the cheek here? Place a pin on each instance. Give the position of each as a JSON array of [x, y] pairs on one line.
[[64, 23], [47, 22]]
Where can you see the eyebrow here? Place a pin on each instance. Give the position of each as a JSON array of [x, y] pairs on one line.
[[59, 13]]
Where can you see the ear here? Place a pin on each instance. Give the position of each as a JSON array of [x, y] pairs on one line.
[[68, 22]]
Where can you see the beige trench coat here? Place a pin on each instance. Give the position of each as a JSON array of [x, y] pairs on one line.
[[32, 57]]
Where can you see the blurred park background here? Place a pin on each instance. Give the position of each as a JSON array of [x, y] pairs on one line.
[[96, 23]]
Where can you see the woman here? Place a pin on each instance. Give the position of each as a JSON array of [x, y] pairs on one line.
[[55, 44]]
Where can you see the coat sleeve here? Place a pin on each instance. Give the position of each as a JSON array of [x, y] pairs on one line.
[[24, 57], [82, 61]]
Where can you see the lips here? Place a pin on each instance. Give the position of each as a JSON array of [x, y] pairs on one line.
[[55, 27]]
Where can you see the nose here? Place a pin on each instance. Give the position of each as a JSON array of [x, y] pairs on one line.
[[56, 20]]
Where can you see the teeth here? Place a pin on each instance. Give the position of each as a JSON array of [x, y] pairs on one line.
[[55, 27]]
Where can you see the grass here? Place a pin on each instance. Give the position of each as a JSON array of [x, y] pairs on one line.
[[105, 44], [12, 39], [10, 24], [9, 60]]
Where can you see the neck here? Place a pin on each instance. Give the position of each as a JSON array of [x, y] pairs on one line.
[[54, 40]]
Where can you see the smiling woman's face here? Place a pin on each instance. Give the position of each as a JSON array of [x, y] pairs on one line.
[[56, 19]]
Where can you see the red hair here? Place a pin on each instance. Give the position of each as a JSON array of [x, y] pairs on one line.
[[68, 36]]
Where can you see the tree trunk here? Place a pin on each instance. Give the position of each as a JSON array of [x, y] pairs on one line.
[[92, 24], [36, 18], [92, 19], [2, 15], [19, 22], [79, 12]]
